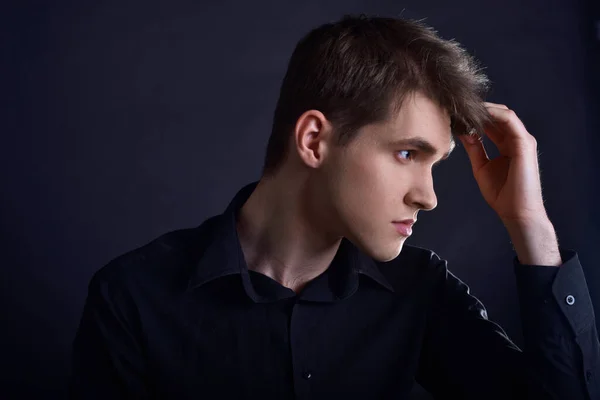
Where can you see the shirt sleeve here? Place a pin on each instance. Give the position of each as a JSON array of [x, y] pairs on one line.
[[466, 355], [559, 326], [107, 360]]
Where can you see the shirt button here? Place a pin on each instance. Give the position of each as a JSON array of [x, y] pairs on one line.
[[570, 300], [588, 375], [307, 375]]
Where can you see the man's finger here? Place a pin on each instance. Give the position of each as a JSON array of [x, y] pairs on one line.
[[488, 104], [476, 152], [506, 123]]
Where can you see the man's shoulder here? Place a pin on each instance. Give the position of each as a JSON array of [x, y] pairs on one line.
[[167, 257], [414, 264], [416, 256]]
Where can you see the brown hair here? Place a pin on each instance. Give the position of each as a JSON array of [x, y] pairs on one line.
[[359, 69]]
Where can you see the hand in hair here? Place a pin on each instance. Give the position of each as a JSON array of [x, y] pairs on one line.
[[510, 184]]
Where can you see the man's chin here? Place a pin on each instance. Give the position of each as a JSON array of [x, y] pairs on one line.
[[388, 253]]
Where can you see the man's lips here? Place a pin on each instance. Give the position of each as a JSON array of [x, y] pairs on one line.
[[404, 227]]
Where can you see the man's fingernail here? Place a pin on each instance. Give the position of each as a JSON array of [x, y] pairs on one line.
[[472, 138]]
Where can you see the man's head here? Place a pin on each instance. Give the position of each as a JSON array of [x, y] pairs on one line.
[[367, 107]]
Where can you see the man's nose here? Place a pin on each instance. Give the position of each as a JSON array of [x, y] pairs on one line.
[[422, 195]]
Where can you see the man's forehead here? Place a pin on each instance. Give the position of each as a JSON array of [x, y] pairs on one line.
[[418, 115], [451, 147]]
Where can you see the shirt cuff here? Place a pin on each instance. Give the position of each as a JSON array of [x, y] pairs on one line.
[[542, 288]]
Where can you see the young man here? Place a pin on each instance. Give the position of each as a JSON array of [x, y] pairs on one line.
[[303, 287]]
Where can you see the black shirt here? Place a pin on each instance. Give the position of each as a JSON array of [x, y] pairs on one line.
[[183, 317]]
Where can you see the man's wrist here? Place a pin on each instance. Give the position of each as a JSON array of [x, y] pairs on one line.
[[534, 241]]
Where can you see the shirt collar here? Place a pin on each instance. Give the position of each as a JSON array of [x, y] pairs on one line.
[[223, 256]]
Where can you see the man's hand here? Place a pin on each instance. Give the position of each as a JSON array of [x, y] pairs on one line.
[[511, 185]]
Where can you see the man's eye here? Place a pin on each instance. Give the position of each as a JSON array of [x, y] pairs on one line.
[[407, 154]]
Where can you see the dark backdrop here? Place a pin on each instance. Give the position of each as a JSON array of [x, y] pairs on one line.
[[124, 120]]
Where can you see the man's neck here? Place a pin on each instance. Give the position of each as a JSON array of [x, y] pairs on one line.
[[279, 239]]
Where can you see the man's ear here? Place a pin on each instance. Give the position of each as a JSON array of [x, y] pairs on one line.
[[312, 137]]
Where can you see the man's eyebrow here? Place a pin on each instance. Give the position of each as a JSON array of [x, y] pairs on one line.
[[424, 146]]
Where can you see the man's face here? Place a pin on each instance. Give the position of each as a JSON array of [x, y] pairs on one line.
[[377, 178]]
